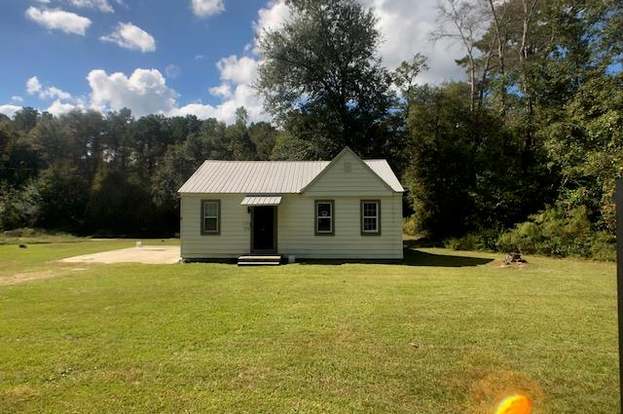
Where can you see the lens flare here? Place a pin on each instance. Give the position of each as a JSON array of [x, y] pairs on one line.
[[516, 404]]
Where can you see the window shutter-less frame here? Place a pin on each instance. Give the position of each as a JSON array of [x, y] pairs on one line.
[[203, 216], [317, 231], [376, 217]]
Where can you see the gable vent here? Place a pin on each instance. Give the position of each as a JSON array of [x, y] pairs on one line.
[[348, 167]]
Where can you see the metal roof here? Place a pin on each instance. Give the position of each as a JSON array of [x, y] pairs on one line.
[[269, 177], [261, 201]]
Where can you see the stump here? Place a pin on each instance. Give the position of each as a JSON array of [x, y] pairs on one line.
[[514, 257]]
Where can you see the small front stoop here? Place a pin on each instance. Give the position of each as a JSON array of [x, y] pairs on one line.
[[259, 260]]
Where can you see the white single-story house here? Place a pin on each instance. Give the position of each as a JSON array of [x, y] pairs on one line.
[[347, 208]]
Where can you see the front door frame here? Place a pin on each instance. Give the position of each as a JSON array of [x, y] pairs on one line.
[[252, 248]]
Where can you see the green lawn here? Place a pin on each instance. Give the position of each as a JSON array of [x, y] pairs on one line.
[[448, 333]]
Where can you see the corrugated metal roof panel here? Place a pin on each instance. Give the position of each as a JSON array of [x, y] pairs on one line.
[[261, 201], [383, 170], [268, 177]]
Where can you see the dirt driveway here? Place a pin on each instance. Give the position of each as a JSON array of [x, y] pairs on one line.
[[145, 254]]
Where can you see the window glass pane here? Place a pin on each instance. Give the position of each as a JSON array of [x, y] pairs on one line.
[[369, 209], [211, 224], [211, 210], [324, 209], [369, 224], [324, 224]]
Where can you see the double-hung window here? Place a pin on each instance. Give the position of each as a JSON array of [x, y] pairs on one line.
[[324, 219], [210, 217], [370, 217]]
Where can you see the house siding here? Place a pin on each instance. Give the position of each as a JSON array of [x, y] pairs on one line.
[[348, 176], [296, 235], [234, 237]]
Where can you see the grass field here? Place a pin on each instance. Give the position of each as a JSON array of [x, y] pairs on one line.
[[446, 333]]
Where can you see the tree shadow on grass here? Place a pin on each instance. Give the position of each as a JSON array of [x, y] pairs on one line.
[[412, 257], [419, 258]]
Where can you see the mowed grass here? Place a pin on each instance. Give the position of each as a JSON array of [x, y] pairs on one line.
[[448, 333]]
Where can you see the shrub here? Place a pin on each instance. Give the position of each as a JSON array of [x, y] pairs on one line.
[[556, 232], [485, 239], [19, 208], [409, 226]]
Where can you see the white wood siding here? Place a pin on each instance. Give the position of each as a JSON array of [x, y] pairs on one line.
[[350, 176], [296, 234], [234, 238]]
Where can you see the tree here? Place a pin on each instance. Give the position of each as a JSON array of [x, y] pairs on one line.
[[263, 136], [464, 21], [322, 65], [587, 147], [405, 74]]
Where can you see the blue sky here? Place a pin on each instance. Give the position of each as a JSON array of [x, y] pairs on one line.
[[173, 57]]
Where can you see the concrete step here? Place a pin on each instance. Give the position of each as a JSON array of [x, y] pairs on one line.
[[259, 263], [259, 260]]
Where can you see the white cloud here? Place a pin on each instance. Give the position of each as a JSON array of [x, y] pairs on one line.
[[101, 5], [57, 19], [59, 108], [144, 92], [9, 110], [223, 90], [17, 99], [205, 8], [405, 27], [132, 37], [238, 70], [270, 17], [33, 86]]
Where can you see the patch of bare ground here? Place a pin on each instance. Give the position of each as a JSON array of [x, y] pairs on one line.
[[501, 264], [23, 277]]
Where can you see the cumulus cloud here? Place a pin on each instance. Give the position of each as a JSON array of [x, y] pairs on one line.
[[143, 92], [60, 108], [131, 37], [33, 86], [63, 102], [101, 5], [9, 110], [223, 90], [238, 70], [205, 8], [17, 99], [405, 27], [270, 17], [57, 19]]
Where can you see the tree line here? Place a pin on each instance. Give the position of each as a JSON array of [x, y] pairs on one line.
[[93, 173], [523, 154]]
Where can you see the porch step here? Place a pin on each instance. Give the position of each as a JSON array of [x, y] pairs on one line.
[[259, 260]]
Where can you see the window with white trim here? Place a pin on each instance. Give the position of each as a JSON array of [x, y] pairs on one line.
[[210, 217], [370, 217], [324, 220]]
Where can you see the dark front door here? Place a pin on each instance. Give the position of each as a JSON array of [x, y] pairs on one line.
[[264, 226]]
